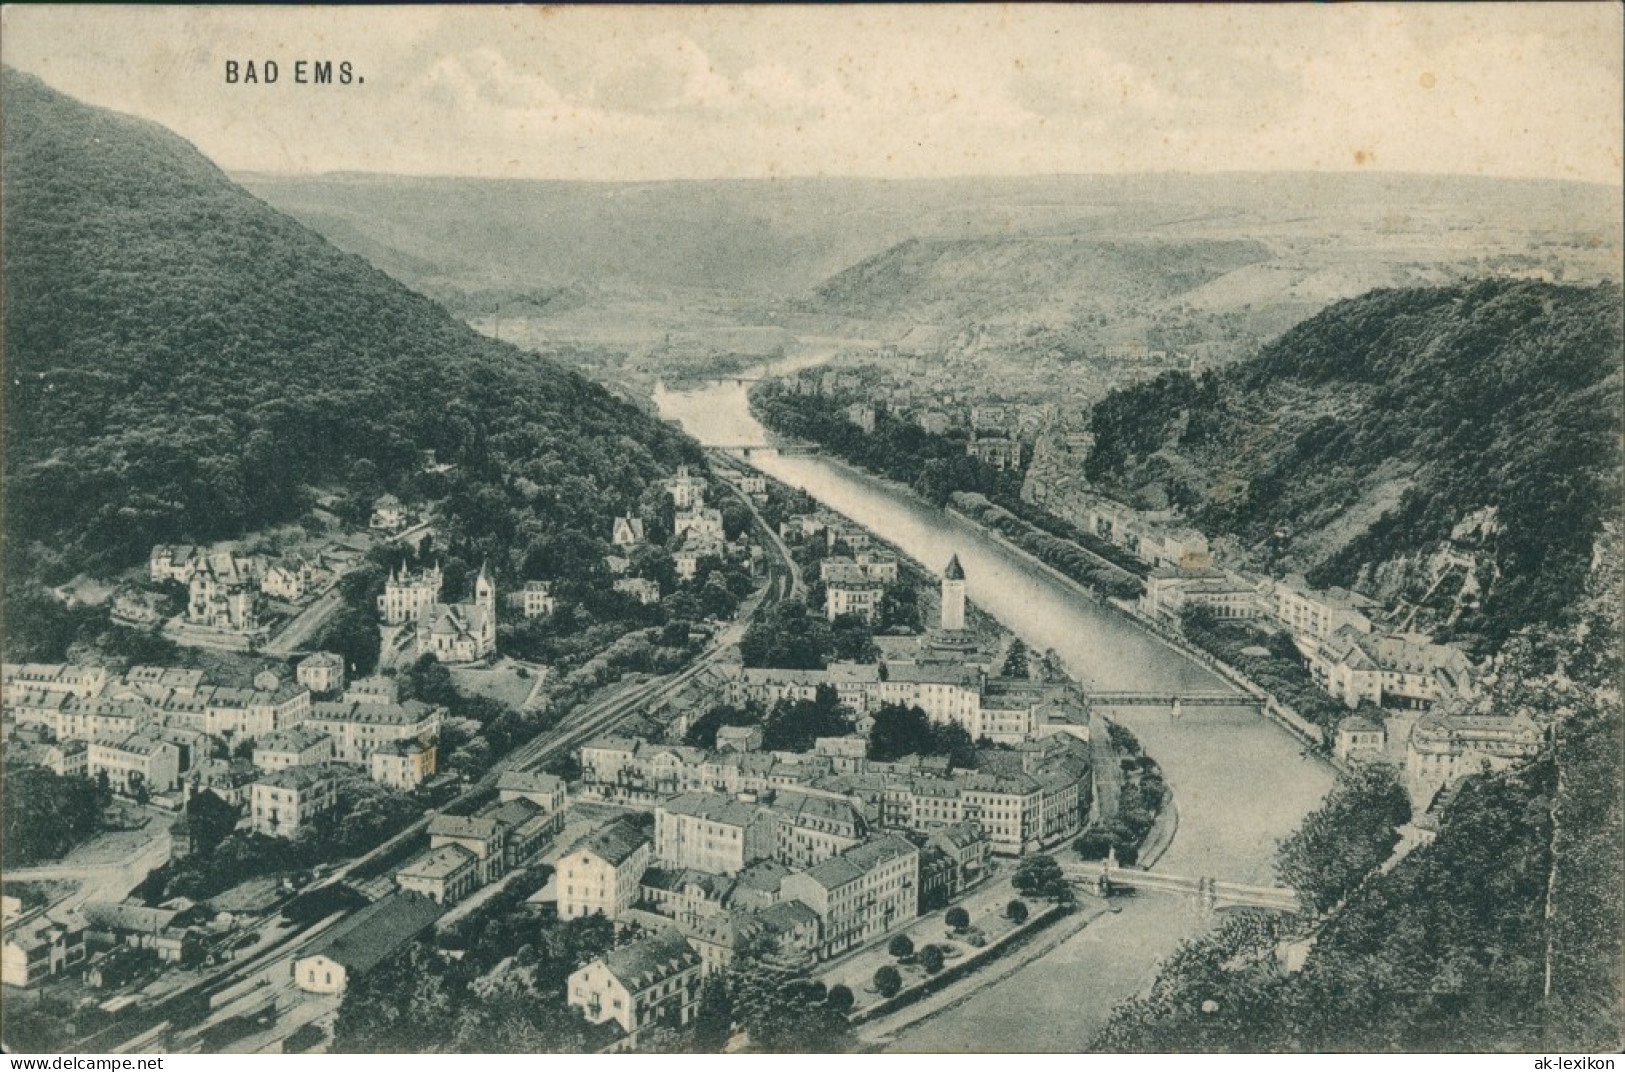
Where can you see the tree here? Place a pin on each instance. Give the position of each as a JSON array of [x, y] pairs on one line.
[[888, 980], [1343, 840], [901, 947], [211, 820], [931, 959], [793, 725], [1015, 661], [713, 1019], [957, 918], [1016, 912], [1041, 876], [840, 998]]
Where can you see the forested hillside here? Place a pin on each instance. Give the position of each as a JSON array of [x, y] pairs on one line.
[[1482, 420], [1056, 279], [184, 362]]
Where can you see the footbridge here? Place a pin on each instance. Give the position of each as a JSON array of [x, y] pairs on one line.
[[745, 450], [1174, 701], [1211, 893]]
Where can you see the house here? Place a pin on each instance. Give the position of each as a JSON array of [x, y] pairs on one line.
[[601, 874], [1446, 747], [321, 673], [451, 632], [281, 582], [525, 830], [998, 452], [359, 729], [655, 980], [710, 832], [1359, 737], [861, 894], [686, 490], [404, 764], [627, 532], [387, 513], [684, 895], [135, 760], [642, 589], [445, 875], [372, 690], [364, 940], [1316, 615], [298, 747], [1399, 670], [69, 679], [739, 738], [139, 927], [1171, 590], [172, 562], [813, 827], [40, 945], [968, 848], [285, 803], [536, 599], [546, 791], [859, 598], [789, 929], [861, 414], [481, 835], [701, 521], [222, 596]]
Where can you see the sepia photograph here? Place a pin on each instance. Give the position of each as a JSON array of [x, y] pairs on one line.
[[761, 529]]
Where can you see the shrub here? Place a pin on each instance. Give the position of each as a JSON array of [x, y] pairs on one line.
[[840, 998], [900, 947], [931, 959], [888, 981], [957, 918], [1016, 911]]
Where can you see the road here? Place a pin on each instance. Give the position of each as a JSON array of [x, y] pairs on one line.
[[303, 627]]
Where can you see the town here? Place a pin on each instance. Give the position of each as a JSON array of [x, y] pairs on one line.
[[800, 805]]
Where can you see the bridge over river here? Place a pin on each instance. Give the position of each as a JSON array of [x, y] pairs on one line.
[[1173, 701], [1211, 894]]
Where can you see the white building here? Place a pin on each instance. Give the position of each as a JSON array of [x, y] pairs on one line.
[[601, 874], [655, 980]]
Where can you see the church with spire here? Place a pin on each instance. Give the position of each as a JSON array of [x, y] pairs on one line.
[[451, 632]]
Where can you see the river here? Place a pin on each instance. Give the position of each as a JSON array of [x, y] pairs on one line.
[[1240, 783]]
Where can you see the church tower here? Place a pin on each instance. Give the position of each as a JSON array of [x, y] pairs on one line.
[[485, 592], [953, 595]]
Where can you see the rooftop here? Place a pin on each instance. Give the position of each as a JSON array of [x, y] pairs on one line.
[[369, 936]]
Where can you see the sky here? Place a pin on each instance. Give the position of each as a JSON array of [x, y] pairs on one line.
[[649, 93]]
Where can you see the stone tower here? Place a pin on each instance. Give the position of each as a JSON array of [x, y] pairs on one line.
[[953, 595], [485, 590]]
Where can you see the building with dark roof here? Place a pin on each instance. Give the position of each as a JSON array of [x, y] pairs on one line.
[[363, 941], [655, 980]]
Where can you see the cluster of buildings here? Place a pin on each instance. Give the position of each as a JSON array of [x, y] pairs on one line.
[[697, 527], [225, 590], [111, 942], [161, 729], [467, 852], [451, 632]]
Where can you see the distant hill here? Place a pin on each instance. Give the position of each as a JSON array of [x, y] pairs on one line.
[[1376, 440], [989, 268], [1055, 279], [182, 361]]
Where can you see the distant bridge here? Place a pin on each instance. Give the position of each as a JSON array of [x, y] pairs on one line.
[[745, 450], [1172, 700], [1210, 893]]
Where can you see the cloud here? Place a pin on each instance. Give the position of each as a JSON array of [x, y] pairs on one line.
[[646, 93]]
